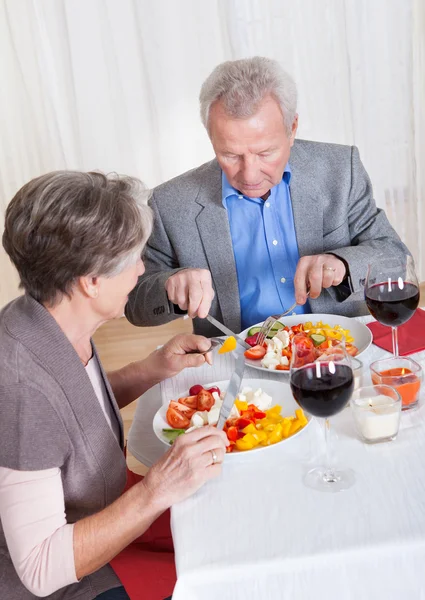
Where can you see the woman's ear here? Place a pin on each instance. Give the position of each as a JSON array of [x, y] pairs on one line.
[[89, 286]]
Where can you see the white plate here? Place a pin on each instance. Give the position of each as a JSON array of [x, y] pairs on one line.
[[361, 334], [278, 390]]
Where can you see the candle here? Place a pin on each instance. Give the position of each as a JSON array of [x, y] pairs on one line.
[[378, 420], [402, 373], [376, 412], [403, 380]]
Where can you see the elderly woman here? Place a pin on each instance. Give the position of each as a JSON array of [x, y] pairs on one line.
[[76, 240]]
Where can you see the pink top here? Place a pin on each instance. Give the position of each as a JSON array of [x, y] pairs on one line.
[[32, 511]]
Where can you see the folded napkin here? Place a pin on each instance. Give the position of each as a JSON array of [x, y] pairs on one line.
[[411, 335]]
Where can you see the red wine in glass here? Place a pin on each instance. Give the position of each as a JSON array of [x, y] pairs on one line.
[[324, 395], [392, 292], [322, 384], [392, 303]]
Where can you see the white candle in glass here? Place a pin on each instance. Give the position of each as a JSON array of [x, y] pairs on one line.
[[377, 418]]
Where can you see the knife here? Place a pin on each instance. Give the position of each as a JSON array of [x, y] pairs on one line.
[[232, 390], [178, 311], [227, 331]]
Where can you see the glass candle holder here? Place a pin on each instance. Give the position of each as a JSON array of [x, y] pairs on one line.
[[376, 412], [402, 373]]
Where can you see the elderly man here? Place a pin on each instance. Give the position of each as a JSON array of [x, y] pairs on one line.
[[270, 218]]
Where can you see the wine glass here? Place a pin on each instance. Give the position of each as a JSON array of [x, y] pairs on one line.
[[392, 293], [322, 382]]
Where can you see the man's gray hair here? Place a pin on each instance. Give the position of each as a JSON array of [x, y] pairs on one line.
[[243, 84], [68, 224]]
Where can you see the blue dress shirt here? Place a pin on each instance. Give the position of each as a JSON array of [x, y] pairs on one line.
[[265, 248]]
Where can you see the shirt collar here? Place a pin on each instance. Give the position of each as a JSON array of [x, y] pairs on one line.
[[227, 190]]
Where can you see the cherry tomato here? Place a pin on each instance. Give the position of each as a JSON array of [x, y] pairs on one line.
[[182, 409], [255, 353], [297, 328], [252, 340], [232, 434], [190, 401], [282, 367], [214, 389], [205, 400], [351, 349], [176, 419], [195, 389], [243, 422]]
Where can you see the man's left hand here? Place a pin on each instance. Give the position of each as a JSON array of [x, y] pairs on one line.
[[315, 273]]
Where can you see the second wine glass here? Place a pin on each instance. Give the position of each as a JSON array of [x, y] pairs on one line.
[[322, 383]]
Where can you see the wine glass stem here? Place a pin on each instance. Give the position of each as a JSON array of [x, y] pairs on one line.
[[329, 474], [395, 341]]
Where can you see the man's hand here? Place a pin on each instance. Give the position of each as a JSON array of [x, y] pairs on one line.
[[191, 290], [315, 273]]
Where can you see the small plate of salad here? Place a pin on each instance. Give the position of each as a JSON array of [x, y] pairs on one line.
[[264, 414]]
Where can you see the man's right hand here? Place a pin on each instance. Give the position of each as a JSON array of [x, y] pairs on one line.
[[191, 290]]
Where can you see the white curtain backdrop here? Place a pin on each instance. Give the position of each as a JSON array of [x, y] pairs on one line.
[[113, 85]]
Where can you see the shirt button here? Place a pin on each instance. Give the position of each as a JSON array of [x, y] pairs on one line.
[[268, 204], [283, 280], [274, 242], [240, 197]]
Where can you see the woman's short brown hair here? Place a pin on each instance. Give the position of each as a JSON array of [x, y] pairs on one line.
[[68, 224]]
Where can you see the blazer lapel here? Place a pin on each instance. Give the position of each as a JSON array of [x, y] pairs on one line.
[[307, 205], [214, 230]]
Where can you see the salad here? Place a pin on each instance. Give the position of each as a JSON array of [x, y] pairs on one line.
[[275, 353], [252, 422]]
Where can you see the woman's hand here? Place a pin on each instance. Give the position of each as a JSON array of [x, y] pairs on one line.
[[193, 459], [180, 352], [177, 354]]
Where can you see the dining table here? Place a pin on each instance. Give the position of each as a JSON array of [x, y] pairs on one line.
[[258, 532]]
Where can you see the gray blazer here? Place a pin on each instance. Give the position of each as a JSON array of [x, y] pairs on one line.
[[334, 211], [50, 417]]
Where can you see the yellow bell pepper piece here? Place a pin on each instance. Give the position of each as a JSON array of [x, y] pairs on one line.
[[274, 410], [295, 426], [242, 445], [275, 418], [241, 405], [286, 427], [260, 436], [301, 416], [250, 428], [228, 346], [270, 427], [248, 437], [276, 435]]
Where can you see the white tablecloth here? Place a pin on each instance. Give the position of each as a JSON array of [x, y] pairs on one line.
[[258, 532]]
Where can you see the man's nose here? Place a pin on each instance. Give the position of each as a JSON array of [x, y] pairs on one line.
[[250, 171]]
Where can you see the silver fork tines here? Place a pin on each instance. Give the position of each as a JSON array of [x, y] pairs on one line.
[[270, 321]]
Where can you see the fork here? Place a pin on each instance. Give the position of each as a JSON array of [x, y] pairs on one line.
[[215, 341], [270, 321]]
